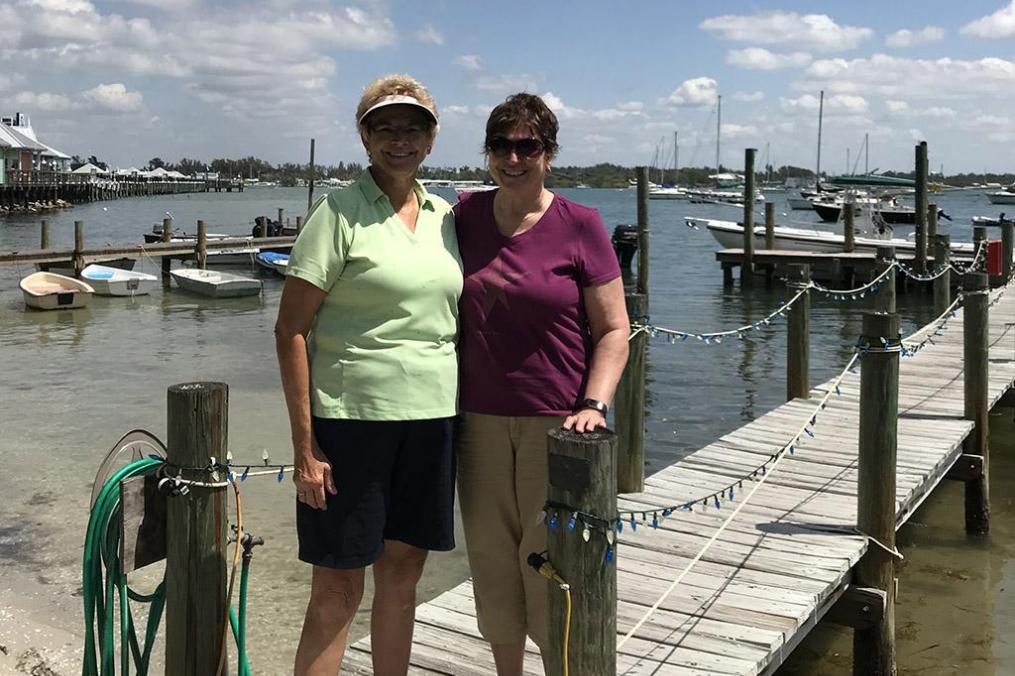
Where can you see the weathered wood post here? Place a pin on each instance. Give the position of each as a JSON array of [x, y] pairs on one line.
[[747, 264], [1007, 242], [769, 225], [874, 647], [44, 239], [167, 261], [582, 478], [643, 230], [281, 223], [931, 224], [848, 228], [202, 245], [979, 246], [975, 334], [629, 404], [798, 340], [79, 245], [265, 229], [299, 224], [197, 426], [629, 401], [884, 297], [921, 207], [942, 284], [310, 182]]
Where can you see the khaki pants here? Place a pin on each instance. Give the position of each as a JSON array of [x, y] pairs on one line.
[[502, 475]]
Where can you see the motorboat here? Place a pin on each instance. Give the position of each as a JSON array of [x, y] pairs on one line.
[[671, 193], [50, 291], [274, 261], [215, 283], [1006, 196], [730, 235], [109, 281]]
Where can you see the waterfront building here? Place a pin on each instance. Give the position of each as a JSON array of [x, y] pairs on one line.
[[21, 150]]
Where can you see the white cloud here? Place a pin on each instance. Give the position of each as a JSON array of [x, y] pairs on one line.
[[844, 104], [696, 92], [506, 84], [429, 35], [749, 97], [910, 78], [454, 110], [733, 131], [564, 111], [999, 25], [907, 38], [817, 32], [897, 107], [43, 101], [114, 97], [903, 109], [469, 62], [758, 58], [631, 106]]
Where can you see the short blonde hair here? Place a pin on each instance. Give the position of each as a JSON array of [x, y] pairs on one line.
[[391, 85]]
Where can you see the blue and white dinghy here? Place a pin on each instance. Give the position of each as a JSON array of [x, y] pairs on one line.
[[277, 262], [109, 281]]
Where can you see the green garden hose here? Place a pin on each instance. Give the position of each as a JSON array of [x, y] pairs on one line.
[[106, 591]]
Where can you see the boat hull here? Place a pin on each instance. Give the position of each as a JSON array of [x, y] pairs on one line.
[[216, 284], [114, 282], [1001, 197], [50, 291]]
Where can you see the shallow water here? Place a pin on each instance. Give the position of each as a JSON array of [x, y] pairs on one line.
[[75, 381]]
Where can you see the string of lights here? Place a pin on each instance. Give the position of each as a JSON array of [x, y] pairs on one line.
[[233, 471], [974, 264], [859, 292]]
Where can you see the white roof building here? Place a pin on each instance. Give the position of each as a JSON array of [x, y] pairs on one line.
[[21, 150]]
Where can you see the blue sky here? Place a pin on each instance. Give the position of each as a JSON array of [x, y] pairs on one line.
[[132, 79]]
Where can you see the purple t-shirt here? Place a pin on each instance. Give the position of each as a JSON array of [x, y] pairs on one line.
[[524, 346]]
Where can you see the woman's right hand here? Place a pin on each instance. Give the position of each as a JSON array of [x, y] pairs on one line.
[[312, 476]]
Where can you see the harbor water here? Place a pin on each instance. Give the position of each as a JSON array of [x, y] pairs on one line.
[[74, 382]]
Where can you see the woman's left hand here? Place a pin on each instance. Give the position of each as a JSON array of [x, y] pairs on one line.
[[585, 420]]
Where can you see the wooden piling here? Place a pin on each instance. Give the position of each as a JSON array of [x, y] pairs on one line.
[[280, 221], [202, 245], [44, 239], [643, 230], [980, 242], [975, 334], [79, 245], [874, 647], [747, 265], [848, 228], [1007, 235], [629, 404], [299, 224], [582, 476], [884, 297], [798, 340], [921, 207], [197, 426], [167, 262], [931, 226], [942, 284], [769, 225]]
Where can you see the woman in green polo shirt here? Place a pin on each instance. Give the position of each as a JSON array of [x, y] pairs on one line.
[[366, 337]]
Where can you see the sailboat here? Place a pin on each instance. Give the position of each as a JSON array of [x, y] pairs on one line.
[[734, 193], [802, 201], [670, 192]]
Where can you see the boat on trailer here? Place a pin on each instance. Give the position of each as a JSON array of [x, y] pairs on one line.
[[108, 281], [50, 291], [215, 283]]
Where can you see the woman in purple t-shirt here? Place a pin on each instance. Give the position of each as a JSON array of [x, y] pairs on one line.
[[543, 343]]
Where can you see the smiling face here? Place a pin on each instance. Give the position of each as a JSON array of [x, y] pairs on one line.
[[512, 166], [397, 139]]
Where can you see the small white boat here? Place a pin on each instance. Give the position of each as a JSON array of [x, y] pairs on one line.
[[50, 291], [667, 194], [277, 262], [730, 235], [216, 283], [1002, 197], [109, 281]]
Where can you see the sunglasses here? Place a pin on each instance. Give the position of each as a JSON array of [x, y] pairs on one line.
[[523, 147]]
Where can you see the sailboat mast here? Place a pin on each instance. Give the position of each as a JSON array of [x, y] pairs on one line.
[[821, 114], [866, 155], [718, 127], [676, 157]]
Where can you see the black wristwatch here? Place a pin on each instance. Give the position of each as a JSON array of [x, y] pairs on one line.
[[595, 405]]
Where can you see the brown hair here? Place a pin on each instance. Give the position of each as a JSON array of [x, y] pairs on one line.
[[389, 85], [524, 110]]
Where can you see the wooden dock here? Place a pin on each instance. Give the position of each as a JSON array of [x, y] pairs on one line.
[[789, 555]]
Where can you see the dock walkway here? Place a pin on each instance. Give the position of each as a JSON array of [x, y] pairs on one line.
[[787, 556]]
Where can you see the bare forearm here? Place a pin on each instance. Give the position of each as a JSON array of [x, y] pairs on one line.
[[295, 371], [609, 356]]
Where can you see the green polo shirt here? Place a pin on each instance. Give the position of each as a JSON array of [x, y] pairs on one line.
[[382, 346]]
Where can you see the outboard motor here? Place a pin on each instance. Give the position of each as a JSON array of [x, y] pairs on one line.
[[625, 244]]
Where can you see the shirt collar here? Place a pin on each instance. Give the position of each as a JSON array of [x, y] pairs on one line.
[[372, 192]]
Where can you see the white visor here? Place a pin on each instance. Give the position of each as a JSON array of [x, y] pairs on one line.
[[398, 99]]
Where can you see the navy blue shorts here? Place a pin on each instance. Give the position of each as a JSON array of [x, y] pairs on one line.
[[395, 481]]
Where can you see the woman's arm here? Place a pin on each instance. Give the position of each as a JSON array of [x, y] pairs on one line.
[[610, 328], [299, 304]]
